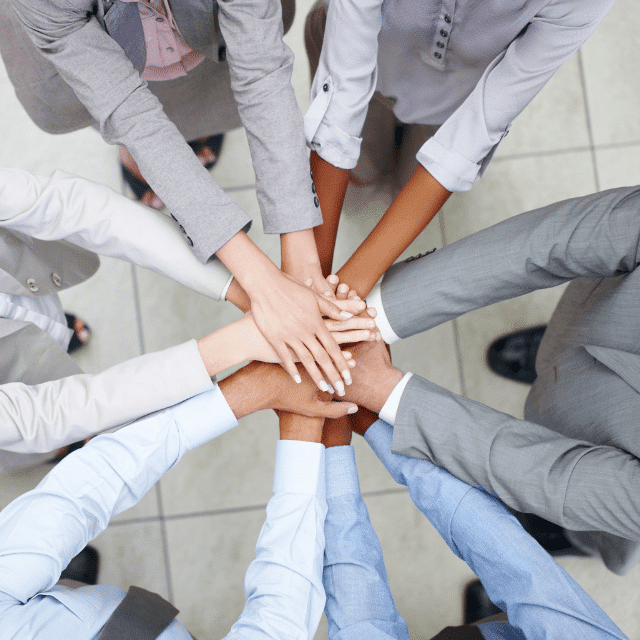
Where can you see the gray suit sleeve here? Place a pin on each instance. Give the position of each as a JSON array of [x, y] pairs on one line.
[[575, 484], [104, 80], [590, 237], [260, 65]]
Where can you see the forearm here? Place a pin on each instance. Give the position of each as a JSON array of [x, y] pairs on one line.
[[331, 185], [243, 258], [299, 255], [297, 427], [52, 414], [416, 205], [530, 596], [353, 557], [43, 529], [283, 585]]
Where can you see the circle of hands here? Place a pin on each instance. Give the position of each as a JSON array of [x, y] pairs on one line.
[[319, 390]]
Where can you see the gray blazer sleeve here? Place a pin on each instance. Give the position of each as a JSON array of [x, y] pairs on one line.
[[590, 237], [104, 80], [578, 485], [260, 65]]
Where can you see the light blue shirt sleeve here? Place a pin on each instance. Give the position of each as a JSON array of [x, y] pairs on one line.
[[359, 601], [283, 585], [43, 529], [539, 597]]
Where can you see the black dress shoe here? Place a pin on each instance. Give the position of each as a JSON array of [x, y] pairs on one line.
[[83, 568], [477, 605], [548, 535], [514, 356]]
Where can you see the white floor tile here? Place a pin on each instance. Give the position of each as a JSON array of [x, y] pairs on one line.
[[618, 167], [612, 71], [131, 554], [555, 119]]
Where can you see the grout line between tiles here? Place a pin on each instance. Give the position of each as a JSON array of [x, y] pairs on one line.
[[456, 336], [165, 543], [585, 97], [240, 188], [136, 300], [221, 512]]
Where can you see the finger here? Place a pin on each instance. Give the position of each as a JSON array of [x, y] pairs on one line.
[[323, 287], [353, 294], [326, 363], [352, 305], [286, 360], [340, 309], [332, 409], [346, 337], [342, 291], [331, 347], [308, 362], [308, 282], [372, 311], [350, 325], [333, 281]]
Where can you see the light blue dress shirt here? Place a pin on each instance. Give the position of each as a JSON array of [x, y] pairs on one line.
[[540, 598], [43, 529]]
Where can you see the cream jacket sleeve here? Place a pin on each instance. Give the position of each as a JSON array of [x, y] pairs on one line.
[[94, 217]]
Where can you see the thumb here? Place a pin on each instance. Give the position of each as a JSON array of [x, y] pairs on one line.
[[332, 409], [331, 310]]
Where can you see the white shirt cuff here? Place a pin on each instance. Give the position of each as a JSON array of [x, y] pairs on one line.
[[300, 468], [374, 299], [223, 295], [204, 417], [390, 410]]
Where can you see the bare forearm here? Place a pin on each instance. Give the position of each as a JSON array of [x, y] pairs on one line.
[[236, 295], [331, 186], [416, 205], [297, 427]]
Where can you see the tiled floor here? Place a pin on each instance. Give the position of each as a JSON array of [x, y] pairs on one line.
[[192, 537]]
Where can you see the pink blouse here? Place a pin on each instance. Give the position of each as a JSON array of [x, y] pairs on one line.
[[168, 55]]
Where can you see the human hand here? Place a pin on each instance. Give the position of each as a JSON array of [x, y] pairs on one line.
[[374, 377], [354, 329], [288, 314], [261, 385]]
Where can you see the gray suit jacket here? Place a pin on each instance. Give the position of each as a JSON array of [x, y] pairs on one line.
[[49, 44], [574, 460]]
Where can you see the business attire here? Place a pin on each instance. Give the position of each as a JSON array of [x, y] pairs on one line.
[[49, 228], [574, 459], [75, 63], [539, 597], [43, 529], [469, 66]]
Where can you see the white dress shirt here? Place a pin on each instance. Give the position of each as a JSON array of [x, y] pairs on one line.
[[469, 65], [43, 529]]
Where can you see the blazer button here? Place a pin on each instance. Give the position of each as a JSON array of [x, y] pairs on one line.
[[57, 280], [183, 231], [325, 87], [31, 284], [311, 173], [313, 188], [316, 201], [189, 241]]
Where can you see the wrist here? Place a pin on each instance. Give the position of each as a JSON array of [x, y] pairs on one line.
[[298, 254], [296, 427], [246, 391], [224, 348]]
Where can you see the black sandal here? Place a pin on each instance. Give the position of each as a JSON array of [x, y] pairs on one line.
[[212, 142], [81, 334], [139, 187]]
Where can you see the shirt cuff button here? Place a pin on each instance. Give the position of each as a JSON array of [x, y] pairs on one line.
[[316, 201]]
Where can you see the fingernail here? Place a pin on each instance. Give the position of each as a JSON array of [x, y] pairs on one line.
[[352, 409], [340, 387], [323, 386], [333, 279], [298, 379], [346, 314], [347, 376], [351, 363], [331, 389], [343, 288]]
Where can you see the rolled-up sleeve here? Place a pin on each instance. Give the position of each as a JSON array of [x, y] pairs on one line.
[[462, 148], [345, 81], [105, 81]]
